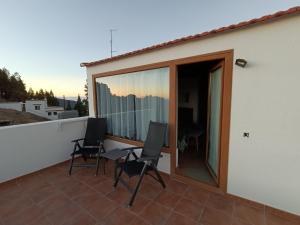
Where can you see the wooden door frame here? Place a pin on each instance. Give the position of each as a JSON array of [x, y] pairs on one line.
[[227, 56]]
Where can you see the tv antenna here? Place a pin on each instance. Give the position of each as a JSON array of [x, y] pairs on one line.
[[111, 42]]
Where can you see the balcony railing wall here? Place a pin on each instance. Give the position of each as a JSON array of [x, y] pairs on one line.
[[30, 147]]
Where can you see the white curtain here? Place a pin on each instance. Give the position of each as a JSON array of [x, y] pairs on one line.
[[130, 101]]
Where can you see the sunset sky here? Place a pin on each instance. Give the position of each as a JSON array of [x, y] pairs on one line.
[[45, 41], [153, 82]]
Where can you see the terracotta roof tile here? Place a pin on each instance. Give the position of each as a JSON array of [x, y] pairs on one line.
[[251, 22]]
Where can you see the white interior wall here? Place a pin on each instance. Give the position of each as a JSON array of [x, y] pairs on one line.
[[264, 167]]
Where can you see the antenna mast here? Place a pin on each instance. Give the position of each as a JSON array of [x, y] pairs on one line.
[[111, 42]]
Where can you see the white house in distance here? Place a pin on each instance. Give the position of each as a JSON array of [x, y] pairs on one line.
[[232, 94], [40, 108]]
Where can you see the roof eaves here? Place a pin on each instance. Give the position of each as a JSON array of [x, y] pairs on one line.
[[206, 34]]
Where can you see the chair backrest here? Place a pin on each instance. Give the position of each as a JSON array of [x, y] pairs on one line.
[[155, 139], [95, 131]]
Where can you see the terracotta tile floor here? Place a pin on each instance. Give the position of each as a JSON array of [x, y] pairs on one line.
[[51, 197]]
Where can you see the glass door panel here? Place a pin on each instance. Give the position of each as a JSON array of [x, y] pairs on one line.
[[214, 120]]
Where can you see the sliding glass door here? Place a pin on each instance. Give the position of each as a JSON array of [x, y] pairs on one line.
[[214, 120]]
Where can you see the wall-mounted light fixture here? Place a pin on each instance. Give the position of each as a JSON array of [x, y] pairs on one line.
[[241, 62]]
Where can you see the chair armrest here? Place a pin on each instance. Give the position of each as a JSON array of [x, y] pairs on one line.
[[147, 159], [76, 140], [131, 149], [91, 146]]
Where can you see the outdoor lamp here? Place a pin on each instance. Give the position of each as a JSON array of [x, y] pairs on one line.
[[241, 62]]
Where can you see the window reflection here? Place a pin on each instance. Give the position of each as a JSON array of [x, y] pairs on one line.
[[130, 101]]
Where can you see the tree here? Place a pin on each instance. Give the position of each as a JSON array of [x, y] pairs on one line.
[[86, 90], [30, 94], [40, 95], [69, 106], [12, 87], [36, 95], [4, 83], [64, 102], [79, 107], [85, 101], [47, 94], [51, 99]]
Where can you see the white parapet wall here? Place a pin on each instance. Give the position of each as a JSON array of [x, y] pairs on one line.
[[11, 105], [30, 147], [27, 148]]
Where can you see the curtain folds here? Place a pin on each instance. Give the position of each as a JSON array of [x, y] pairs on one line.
[[130, 101]]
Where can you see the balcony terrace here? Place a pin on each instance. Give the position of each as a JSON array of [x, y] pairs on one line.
[[36, 188], [50, 196]]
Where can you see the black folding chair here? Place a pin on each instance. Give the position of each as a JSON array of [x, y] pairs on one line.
[[151, 152], [92, 144]]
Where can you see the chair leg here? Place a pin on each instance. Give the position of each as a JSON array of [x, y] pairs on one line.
[[138, 185], [161, 181], [104, 159], [117, 178], [71, 166], [98, 163], [104, 165]]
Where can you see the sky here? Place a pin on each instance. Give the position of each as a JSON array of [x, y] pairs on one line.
[[154, 82], [45, 41]]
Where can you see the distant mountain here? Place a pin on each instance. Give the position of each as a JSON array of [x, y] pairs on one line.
[[61, 102]]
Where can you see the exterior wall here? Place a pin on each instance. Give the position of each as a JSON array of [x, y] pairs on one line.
[[67, 114], [30, 147], [52, 116], [11, 105], [53, 110], [265, 102], [44, 109], [30, 107]]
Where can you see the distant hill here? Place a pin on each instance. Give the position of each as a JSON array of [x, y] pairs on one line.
[[17, 117], [61, 102]]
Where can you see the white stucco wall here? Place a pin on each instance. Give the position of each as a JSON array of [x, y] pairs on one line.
[[265, 102], [30, 107], [11, 105], [30, 147], [27, 148], [52, 116], [44, 109]]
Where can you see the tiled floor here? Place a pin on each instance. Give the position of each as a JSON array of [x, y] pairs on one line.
[[191, 164], [52, 197]]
